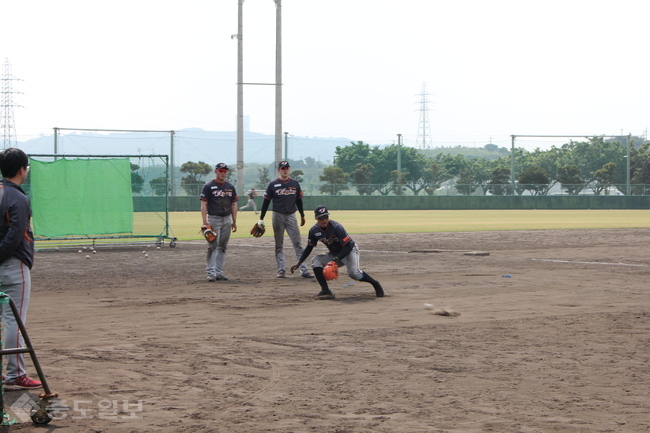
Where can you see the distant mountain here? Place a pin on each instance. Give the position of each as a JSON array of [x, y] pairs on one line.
[[191, 144]]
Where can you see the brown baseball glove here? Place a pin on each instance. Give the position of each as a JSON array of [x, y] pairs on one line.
[[258, 230], [208, 233], [331, 271]]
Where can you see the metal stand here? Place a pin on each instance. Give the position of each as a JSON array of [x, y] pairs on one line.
[[40, 415]]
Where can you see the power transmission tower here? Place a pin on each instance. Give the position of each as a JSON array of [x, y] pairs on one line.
[[424, 130], [7, 108]]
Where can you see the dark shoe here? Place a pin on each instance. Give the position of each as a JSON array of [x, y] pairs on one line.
[[222, 277], [325, 294], [307, 275], [378, 290], [211, 278], [280, 274]]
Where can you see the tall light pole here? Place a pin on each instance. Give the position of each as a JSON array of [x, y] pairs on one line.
[[278, 81], [240, 97]]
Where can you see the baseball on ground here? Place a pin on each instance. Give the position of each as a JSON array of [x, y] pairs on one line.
[[428, 306]]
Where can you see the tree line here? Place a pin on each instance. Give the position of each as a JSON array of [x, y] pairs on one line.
[[596, 164]]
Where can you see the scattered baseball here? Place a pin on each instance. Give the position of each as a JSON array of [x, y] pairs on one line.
[[146, 256], [428, 306], [157, 248], [94, 251], [87, 256], [79, 251], [144, 252]]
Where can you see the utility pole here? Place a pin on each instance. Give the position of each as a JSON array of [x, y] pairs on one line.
[[9, 138], [286, 146], [423, 140], [240, 96], [278, 81]]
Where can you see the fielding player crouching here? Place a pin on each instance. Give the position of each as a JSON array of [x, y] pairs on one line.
[[343, 251]]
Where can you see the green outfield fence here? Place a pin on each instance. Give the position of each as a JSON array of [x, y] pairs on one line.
[[191, 204]]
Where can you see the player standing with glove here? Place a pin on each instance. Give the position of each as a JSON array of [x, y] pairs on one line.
[[287, 198], [343, 251], [219, 211]]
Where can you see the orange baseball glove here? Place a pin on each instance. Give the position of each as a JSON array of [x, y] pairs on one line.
[[331, 271], [208, 233]]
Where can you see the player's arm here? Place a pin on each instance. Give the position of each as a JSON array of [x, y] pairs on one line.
[[204, 211], [347, 248], [301, 211], [233, 215], [17, 220], [307, 251], [265, 207]]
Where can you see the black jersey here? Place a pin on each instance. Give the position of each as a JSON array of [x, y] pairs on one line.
[[220, 197], [284, 195], [334, 236]]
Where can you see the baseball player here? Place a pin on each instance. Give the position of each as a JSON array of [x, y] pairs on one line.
[[287, 197], [218, 210], [16, 260], [341, 249], [251, 202]]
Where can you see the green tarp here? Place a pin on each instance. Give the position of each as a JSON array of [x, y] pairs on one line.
[[81, 197]]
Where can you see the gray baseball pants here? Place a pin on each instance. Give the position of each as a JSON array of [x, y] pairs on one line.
[[16, 282], [217, 249], [288, 222]]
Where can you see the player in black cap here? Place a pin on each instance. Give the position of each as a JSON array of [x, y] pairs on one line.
[[341, 249]]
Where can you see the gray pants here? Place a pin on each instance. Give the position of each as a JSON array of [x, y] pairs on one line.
[[351, 262], [217, 248], [16, 282], [288, 222], [249, 204]]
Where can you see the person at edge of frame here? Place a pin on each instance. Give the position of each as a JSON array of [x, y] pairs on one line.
[[16, 261]]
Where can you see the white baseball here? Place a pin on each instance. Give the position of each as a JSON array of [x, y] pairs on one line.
[[87, 257], [157, 248], [428, 306], [94, 251], [79, 251], [146, 255]]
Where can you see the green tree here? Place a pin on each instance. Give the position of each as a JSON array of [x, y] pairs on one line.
[[434, 176], [159, 185], [137, 181], [193, 182], [569, 177], [263, 178], [640, 169], [535, 180], [465, 183], [500, 182], [298, 175], [603, 178], [361, 176], [336, 180]]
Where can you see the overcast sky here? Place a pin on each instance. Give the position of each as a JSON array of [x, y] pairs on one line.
[[351, 68]]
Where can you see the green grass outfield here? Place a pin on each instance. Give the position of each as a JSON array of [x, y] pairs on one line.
[[185, 225]]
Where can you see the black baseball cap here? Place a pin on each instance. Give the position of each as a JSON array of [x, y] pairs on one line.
[[283, 164], [221, 166], [321, 211]]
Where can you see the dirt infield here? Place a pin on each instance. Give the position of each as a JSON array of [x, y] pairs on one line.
[[553, 336]]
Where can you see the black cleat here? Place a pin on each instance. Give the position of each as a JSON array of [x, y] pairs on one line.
[[325, 294], [378, 290]]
